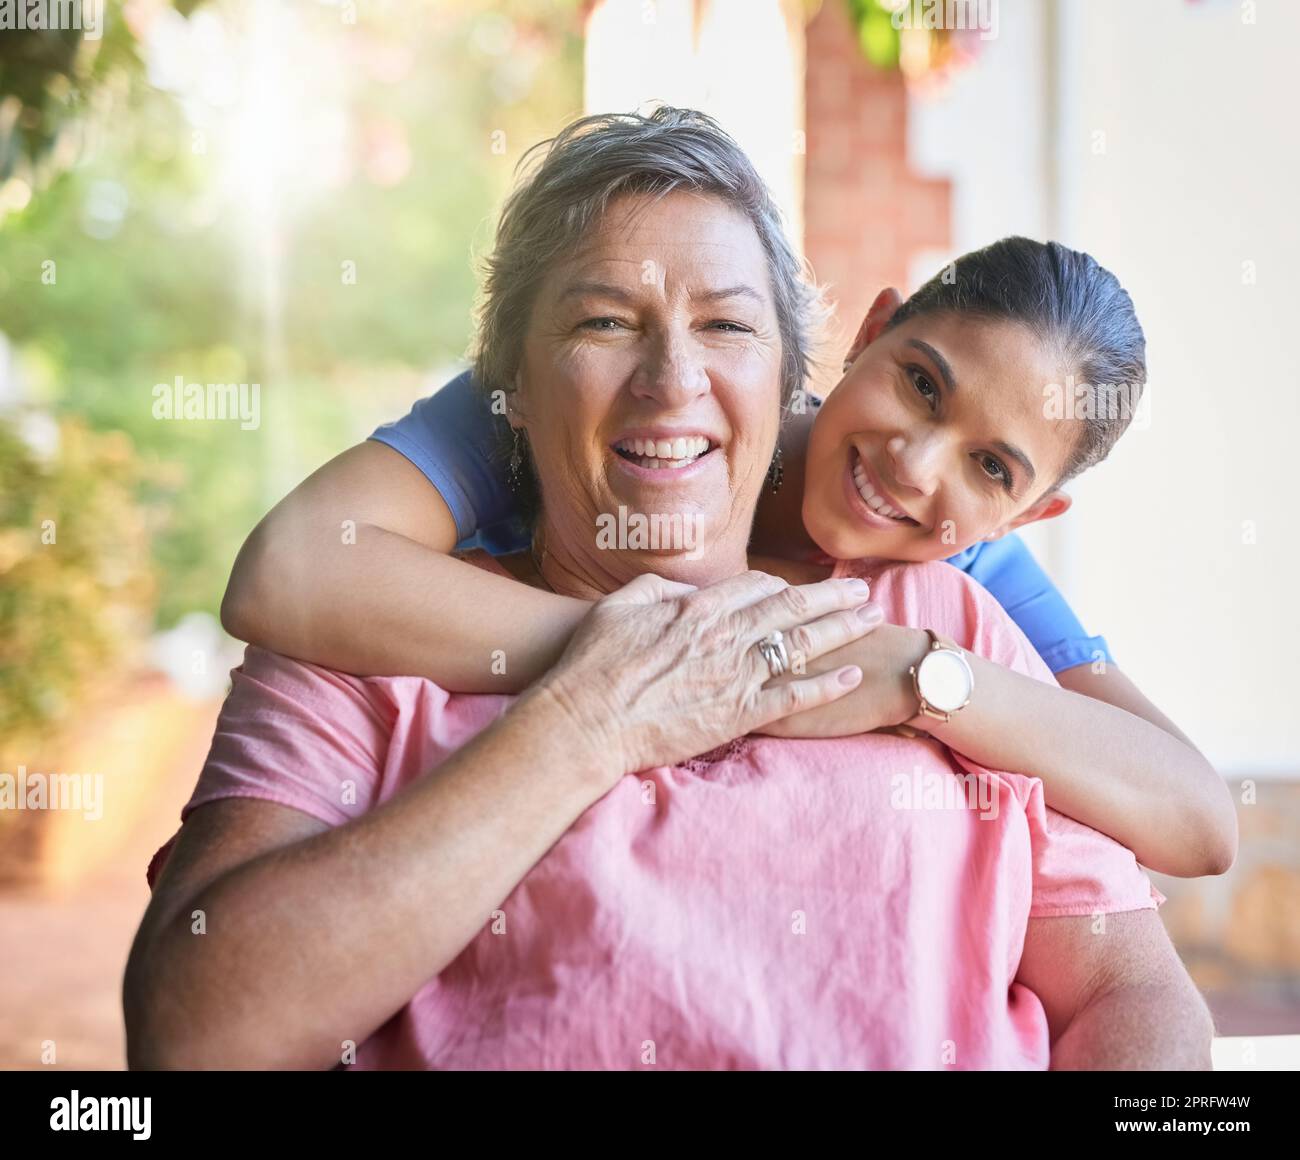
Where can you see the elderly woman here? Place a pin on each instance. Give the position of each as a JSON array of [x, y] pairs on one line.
[[376, 872]]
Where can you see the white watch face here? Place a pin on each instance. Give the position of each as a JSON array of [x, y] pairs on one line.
[[944, 680]]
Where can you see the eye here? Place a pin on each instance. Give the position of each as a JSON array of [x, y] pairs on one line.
[[595, 324], [926, 389], [735, 327], [995, 469]]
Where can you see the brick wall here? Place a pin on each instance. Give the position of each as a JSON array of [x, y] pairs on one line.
[[865, 212]]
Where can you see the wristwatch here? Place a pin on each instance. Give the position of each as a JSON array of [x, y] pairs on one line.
[[942, 678]]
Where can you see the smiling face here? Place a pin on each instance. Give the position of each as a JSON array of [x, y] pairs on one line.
[[935, 438], [650, 382]]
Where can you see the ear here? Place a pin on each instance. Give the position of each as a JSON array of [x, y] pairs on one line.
[[1051, 505], [882, 310]]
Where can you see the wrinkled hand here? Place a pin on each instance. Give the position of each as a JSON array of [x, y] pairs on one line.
[[660, 671], [884, 698]]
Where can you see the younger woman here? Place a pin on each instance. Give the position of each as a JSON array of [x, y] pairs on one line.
[[937, 444]]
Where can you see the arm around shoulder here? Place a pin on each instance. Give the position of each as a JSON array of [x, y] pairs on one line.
[[352, 571]]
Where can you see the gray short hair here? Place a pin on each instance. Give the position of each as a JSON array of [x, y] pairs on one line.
[[568, 183]]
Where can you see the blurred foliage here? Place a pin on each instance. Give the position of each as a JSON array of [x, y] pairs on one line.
[[908, 35], [877, 36], [48, 82], [138, 263], [76, 582]]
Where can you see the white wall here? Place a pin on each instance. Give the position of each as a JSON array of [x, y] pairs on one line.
[[1196, 173], [741, 61], [1199, 176]]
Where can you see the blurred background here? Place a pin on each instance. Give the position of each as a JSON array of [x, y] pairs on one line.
[[292, 195]]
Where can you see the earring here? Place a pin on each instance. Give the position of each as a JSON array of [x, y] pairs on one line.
[[848, 362], [775, 471], [515, 470]]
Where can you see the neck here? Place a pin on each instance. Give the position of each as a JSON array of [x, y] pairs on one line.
[[791, 571], [589, 574]]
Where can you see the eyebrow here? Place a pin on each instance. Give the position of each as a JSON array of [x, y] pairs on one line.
[[738, 291], [618, 293], [596, 289], [942, 363], [1008, 449], [1019, 456]]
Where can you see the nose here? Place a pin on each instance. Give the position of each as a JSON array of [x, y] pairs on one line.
[[916, 460], [672, 373]]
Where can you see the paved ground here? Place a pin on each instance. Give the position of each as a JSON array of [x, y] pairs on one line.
[[64, 954]]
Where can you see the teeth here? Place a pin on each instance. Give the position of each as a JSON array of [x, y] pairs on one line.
[[654, 453], [669, 451], [871, 497]]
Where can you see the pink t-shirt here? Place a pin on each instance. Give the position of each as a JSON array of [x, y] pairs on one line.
[[845, 903]]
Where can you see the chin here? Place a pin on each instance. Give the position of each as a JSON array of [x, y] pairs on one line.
[[835, 528], [856, 543], [700, 568], [856, 548], [837, 541]]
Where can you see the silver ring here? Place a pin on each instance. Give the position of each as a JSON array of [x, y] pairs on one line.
[[773, 650]]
